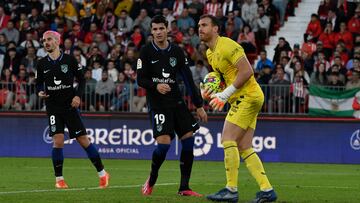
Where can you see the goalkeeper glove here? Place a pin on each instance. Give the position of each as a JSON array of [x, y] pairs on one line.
[[219, 99]]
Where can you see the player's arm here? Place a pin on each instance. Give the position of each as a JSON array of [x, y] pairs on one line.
[[79, 74], [192, 88], [40, 89], [143, 75], [237, 57]]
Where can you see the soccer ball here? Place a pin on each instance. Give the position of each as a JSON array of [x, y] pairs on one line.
[[213, 81]]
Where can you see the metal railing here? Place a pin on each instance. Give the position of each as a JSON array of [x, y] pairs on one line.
[[20, 96]]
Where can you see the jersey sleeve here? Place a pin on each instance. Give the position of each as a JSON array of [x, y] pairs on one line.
[[79, 74], [143, 75], [189, 81], [233, 51], [39, 78]]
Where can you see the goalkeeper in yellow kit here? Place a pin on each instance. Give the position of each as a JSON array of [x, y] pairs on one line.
[[246, 99]]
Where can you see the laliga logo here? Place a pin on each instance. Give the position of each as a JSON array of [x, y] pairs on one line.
[[203, 141], [46, 136], [355, 140]]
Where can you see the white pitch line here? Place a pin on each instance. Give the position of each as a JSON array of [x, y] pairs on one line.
[[78, 189]]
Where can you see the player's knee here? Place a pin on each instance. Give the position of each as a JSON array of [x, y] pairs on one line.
[[83, 141], [58, 140], [188, 144], [244, 146]]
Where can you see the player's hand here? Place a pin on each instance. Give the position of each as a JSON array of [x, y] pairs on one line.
[[76, 102], [163, 88], [218, 101], [43, 95], [201, 114], [205, 92]]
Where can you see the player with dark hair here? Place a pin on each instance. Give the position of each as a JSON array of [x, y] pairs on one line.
[[159, 63], [57, 71], [246, 99]]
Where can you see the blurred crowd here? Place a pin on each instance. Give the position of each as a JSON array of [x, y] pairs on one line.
[[329, 56], [105, 36]]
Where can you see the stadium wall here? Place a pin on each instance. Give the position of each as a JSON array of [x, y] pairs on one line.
[[129, 136]]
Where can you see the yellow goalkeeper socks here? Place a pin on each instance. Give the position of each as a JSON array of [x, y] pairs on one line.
[[254, 165], [232, 162]]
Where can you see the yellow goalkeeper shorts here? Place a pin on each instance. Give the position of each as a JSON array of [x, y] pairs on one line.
[[245, 109]]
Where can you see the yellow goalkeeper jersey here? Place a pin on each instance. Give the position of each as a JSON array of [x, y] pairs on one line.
[[223, 59]]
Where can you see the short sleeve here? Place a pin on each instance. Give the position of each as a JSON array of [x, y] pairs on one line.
[[233, 51]]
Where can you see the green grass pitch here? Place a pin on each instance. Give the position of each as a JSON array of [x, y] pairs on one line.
[[31, 180]]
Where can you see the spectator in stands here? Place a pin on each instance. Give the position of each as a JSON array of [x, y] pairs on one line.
[[12, 61], [319, 77], [10, 31], [4, 19], [168, 15], [67, 10], [3, 42], [30, 41], [230, 31], [68, 46], [109, 21], [249, 11], [355, 65], [143, 20], [283, 45], [7, 89], [281, 6], [198, 71], [88, 20], [299, 91], [125, 23], [113, 73], [263, 62], [313, 29], [30, 60], [129, 71], [104, 91], [328, 40], [184, 21], [122, 93], [196, 9], [229, 6], [354, 81], [336, 69], [340, 50], [261, 26], [20, 92], [89, 37], [321, 59], [211, 7], [89, 93], [130, 58], [238, 23], [35, 18], [247, 39], [344, 36], [265, 76], [99, 40], [78, 54], [354, 23], [354, 61], [32, 99], [279, 91], [97, 70], [334, 19], [323, 10], [193, 37], [137, 6], [178, 7], [271, 12], [337, 61], [334, 82], [139, 99], [123, 5]]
